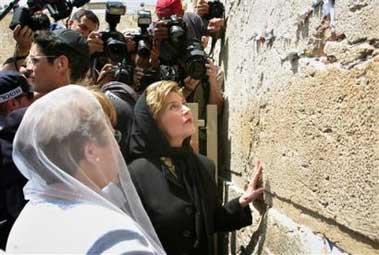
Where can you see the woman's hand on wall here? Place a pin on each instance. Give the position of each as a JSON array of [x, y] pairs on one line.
[[252, 192]]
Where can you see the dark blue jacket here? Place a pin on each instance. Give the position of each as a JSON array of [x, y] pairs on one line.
[[11, 180]]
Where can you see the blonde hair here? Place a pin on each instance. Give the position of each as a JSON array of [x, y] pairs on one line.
[[157, 93], [106, 105]]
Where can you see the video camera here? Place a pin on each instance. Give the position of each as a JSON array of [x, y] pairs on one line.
[[58, 10], [216, 9]]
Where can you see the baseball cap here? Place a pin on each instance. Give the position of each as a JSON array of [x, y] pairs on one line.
[[12, 85], [166, 8], [74, 40]]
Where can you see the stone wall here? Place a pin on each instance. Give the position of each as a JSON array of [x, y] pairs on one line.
[[302, 95]]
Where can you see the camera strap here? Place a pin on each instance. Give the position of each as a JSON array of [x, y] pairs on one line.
[[210, 54]]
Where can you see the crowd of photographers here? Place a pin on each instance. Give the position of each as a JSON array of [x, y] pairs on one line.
[[48, 56]]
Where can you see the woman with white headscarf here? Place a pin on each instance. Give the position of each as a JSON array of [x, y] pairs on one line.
[[81, 197]]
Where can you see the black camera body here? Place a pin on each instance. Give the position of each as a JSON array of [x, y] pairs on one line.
[[22, 16], [150, 75], [124, 72], [176, 31], [115, 45], [174, 47], [195, 60], [143, 39], [58, 9], [216, 9], [171, 73]]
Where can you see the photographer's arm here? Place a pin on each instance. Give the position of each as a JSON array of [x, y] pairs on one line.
[[202, 8], [95, 43], [24, 38], [189, 86], [160, 33], [106, 74], [154, 56], [215, 94], [215, 27]]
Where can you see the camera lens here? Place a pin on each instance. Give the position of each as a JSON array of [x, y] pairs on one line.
[[195, 61], [143, 49], [196, 69], [116, 49]]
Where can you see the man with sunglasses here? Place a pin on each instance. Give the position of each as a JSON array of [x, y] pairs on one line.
[[56, 59], [15, 94]]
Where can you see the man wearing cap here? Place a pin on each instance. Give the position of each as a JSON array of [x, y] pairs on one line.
[[196, 26], [15, 93], [57, 59], [166, 8]]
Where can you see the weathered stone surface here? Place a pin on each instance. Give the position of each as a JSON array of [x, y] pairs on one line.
[[307, 105], [282, 235], [348, 54], [278, 234], [358, 19], [321, 136]]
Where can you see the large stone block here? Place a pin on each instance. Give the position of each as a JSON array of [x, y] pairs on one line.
[[307, 105], [319, 137]]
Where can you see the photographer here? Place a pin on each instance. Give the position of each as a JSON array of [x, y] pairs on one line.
[[31, 18], [84, 21], [211, 12], [23, 35], [113, 62], [197, 90], [203, 92], [197, 23], [126, 56], [87, 23]]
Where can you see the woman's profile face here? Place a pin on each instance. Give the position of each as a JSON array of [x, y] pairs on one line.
[[102, 161], [108, 162], [176, 120]]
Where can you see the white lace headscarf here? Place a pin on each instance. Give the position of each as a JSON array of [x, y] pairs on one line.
[[66, 149]]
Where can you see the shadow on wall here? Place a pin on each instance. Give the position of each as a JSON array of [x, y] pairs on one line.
[[224, 173], [302, 31], [224, 51], [258, 238]]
